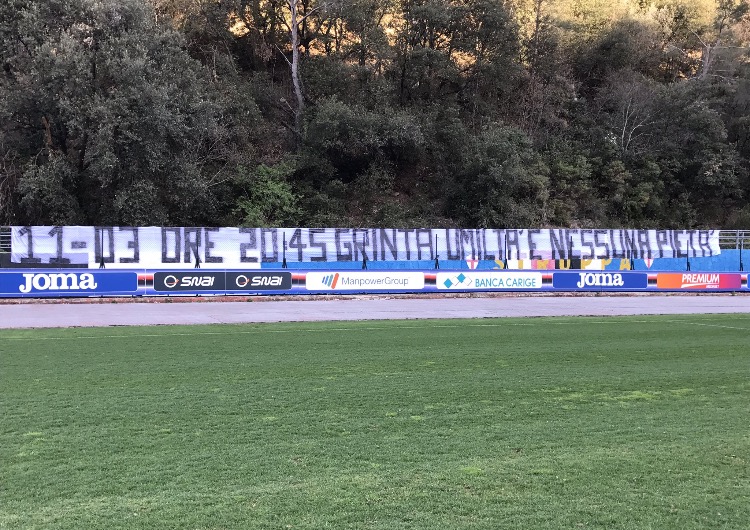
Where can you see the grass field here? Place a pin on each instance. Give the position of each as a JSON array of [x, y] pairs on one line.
[[557, 423]]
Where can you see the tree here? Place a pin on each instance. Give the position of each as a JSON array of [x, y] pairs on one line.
[[114, 116], [502, 182]]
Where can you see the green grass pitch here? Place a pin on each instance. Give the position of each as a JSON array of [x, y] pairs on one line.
[[616, 423]]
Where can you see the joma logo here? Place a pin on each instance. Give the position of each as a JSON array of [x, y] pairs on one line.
[[599, 279], [57, 282]]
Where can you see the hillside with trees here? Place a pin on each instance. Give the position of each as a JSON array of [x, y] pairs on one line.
[[475, 113]]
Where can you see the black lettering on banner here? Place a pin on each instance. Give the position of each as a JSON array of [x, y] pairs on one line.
[[704, 241], [644, 244], [99, 238], [513, 236], [500, 244], [340, 256], [452, 234], [296, 242], [467, 236], [390, 242], [691, 235], [479, 241], [177, 246], [359, 247], [662, 241], [252, 244], [677, 244], [26, 231], [615, 237], [599, 243], [192, 244], [422, 244], [588, 244], [274, 240], [318, 244], [374, 243], [407, 245], [629, 246], [532, 244], [207, 257], [133, 244], [569, 234], [57, 232], [557, 243]]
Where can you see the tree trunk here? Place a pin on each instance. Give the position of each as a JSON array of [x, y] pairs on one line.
[[294, 34]]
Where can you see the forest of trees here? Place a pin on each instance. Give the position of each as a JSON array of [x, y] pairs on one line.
[[398, 113]]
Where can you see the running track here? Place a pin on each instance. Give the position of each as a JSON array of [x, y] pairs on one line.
[[120, 313]]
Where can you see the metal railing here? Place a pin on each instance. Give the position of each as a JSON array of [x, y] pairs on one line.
[[734, 239], [4, 239]]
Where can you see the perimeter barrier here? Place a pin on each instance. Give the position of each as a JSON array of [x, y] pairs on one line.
[[103, 261]]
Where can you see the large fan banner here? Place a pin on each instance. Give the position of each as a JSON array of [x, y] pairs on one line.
[[182, 247]]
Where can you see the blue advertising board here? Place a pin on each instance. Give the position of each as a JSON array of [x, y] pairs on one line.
[[600, 281], [70, 282]]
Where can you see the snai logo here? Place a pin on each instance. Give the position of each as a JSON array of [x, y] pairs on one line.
[[170, 282], [243, 281], [599, 279], [57, 282]]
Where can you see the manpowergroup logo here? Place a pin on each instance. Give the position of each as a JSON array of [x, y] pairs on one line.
[[364, 281], [600, 281], [331, 280], [488, 281]]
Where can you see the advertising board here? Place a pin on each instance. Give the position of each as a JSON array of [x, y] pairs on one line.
[[600, 281], [698, 280], [365, 281], [250, 281], [67, 283], [197, 280], [488, 281]]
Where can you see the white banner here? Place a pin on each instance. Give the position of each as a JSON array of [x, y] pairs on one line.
[[179, 247]]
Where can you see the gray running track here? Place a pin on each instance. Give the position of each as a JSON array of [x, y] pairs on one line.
[[41, 315]]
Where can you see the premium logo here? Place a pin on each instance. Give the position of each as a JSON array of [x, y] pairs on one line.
[[259, 281], [599, 279], [698, 280], [188, 281], [57, 282]]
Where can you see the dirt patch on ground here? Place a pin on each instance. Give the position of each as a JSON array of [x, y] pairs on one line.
[[192, 299]]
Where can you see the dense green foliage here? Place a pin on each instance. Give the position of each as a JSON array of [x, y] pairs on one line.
[[614, 423], [480, 113]]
